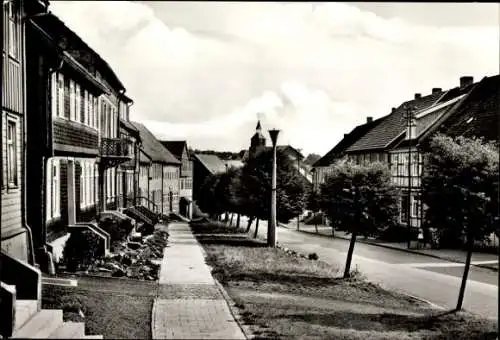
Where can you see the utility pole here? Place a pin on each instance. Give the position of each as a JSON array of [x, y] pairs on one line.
[[410, 123]]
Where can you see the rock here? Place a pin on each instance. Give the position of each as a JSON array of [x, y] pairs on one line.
[[133, 245], [136, 237], [118, 273], [114, 267]]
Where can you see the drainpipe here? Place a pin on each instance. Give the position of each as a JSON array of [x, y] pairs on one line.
[[31, 259]]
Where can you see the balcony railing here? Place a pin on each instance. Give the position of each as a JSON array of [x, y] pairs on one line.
[[116, 148]]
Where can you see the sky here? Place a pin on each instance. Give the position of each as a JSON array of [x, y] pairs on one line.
[[206, 71]]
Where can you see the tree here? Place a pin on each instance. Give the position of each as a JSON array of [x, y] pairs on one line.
[[313, 204], [228, 191], [311, 159], [256, 183], [360, 200], [208, 198], [464, 173]]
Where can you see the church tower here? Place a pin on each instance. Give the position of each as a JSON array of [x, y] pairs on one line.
[[258, 141]]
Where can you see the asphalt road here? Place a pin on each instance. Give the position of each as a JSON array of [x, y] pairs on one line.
[[431, 279]]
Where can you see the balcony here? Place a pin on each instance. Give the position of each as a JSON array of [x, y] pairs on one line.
[[115, 151]]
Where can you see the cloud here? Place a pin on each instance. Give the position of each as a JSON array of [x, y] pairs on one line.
[[202, 71]]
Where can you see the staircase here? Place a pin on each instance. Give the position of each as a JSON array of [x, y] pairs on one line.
[[138, 216], [150, 214], [22, 316]]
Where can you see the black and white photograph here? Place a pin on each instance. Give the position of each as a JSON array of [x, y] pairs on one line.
[[250, 170]]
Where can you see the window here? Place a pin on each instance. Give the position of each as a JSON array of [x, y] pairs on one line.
[[13, 29], [90, 104], [60, 95], [404, 208], [78, 104], [85, 114], [71, 99], [414, 207], [53, 189], [12, 146], [83, 184]]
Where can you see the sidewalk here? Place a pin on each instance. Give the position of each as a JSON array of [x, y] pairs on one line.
[[484, 260], [189, 303]]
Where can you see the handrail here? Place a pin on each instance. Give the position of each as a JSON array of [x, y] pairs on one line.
[[155, 206]]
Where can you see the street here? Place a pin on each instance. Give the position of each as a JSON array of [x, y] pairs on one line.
[[434, 280]]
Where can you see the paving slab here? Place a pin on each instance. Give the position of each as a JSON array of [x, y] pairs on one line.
[[189, 303]]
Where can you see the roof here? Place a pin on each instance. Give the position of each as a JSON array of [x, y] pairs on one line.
[[477, 116], [70, 61], [144, 157], [349, 139], [285, 148], [236, 163], [211, 162], [57, 25], [154, 148], [392, 126], [128, 125], [176, 147]]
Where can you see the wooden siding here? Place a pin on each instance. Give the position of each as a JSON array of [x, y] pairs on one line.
[[75, 134], [11, 197], [12, 89], [12, 82], [171, 181]]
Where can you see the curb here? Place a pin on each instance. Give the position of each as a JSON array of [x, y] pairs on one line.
[[403, 250], [420, 253]]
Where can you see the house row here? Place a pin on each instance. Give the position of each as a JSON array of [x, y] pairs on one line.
[[397, 139], [69, 148]]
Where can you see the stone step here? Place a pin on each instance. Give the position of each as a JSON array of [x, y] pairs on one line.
[[69, 330], [94, 337], [25, 309], [41, 325]]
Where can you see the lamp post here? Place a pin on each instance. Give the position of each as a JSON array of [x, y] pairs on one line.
[[271, 230], [410, 124], [170, 198]]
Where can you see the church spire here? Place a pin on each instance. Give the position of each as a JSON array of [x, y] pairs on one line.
[[259, 127]]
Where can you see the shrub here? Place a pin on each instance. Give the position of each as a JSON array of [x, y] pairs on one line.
[[117, 228], [81, 249], [398, 233]]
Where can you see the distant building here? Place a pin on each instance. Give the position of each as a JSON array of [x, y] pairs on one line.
[[163, 188], [323, 166], [204, 166], [258, 144], [180, 150]]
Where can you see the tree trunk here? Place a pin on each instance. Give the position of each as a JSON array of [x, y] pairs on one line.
[[226, 218], [470, 243], [238, 221], [231, 220], [349, 256], [316, 226], [249, 225], [256, 228]]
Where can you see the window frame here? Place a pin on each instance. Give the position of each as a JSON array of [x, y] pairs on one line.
[[12, 174], [13, 38]]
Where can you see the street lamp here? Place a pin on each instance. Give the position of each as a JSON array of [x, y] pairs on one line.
[[271, 230]]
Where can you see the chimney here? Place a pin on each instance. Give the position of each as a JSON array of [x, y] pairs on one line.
[[345, 135], [369, 119], [437, 90], [466, 81], [418, 96], [393, 109]]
